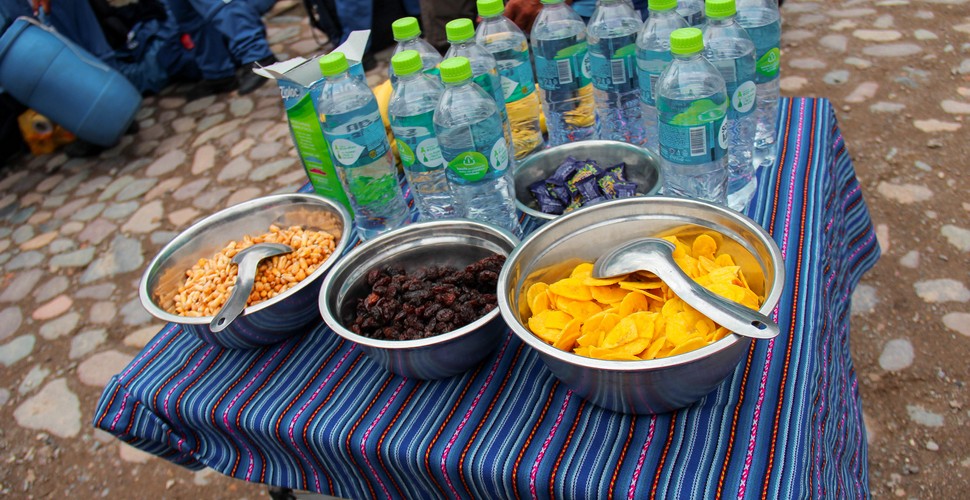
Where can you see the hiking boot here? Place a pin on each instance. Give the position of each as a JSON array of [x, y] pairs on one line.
[[211, 87], [249, 81]]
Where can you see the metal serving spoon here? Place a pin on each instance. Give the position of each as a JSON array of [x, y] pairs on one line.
[[247, 260], [656, 255]]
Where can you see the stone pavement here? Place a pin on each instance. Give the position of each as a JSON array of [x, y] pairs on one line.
[[76, 234]]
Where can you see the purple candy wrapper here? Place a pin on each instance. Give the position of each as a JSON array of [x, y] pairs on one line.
[[625, 189], [607, 183], [619, 170], [588, 189]]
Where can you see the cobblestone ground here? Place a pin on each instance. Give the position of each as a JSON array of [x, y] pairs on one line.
[[75, 236]]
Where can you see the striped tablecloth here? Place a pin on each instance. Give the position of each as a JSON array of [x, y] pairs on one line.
[[314, 413]]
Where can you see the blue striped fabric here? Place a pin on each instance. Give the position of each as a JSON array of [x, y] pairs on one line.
[[313, 413]]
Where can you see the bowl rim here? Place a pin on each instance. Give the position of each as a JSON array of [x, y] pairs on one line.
[[768, 307], [196, 228], [524, 208], [328, 283]]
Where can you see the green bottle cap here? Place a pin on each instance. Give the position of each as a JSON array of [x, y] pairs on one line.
[[406, 62], [686, 41], [405, 28], [455, 69], [460, 30], [490, 7], [550, 2], [661, 5], [720, 8], [333, 63]]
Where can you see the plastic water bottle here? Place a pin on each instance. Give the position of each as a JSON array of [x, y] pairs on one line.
[[562, 73], [353, 128], [692, 100], [611, 34], [731, 50], [461, 36], [476, 153], [760, 18], [653, 57], [411, 111], [407, 33], [692, 11], [504, 40]]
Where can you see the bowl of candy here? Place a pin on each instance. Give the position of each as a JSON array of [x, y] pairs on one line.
[[192, 277], [421, 300], [627, 343], [569, 176]]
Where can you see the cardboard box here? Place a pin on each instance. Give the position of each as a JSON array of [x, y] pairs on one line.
[[300, 81]]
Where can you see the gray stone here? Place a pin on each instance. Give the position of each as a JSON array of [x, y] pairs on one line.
[[61, 326], [25, 260], [209, 122], [134, 313], [70, 183], [55, 409], [86, 342], [210, 198], [51, 288], [164, 187], [200, 104], [181, 217], [276, 133], [297, 176], [98, 369], [21, 285], [807, 63], [115, 187], [265, 151], [54, 201], [22, 234], [47, 184], [241, 106], [183, 124], [837, 43], [146, 219], [864, 299], [140, 338], [117, 211], [955, 107], [904, 193], [896, 355], [836, 77], [162, 238], [922, 34], [102, 291], [77, 258], [167, 163], [964, 68], [216, 132], [244, 194], [173, 143], [271, 169], [22, 215], [102, 312], [860, 12], [94, 185], [33, 379], [10, 320], [4, 396], [887, 107], [236, 168], [17, 349], [892, 50], [241, 147], [89, 212], [191, 189], [39, 241], [942, 290], [256, 128], [124, 255], [97, 231], [857, 62], [924, 417], [910, 260], [877, 35], [135, 189], [883, 22], [957, 236], [958, 322]]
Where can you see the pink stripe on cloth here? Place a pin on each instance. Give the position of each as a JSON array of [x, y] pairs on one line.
[[370, 428], [149, 350], [545, 444], [641, 458], [121, 411]]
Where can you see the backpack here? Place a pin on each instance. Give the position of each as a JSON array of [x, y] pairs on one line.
[[323, 16]]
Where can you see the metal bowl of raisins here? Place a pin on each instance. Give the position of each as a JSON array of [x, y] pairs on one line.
[[578, 174], [421, 300], [262, 323], [646, 386]]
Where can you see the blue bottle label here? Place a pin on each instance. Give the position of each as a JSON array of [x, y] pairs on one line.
[[360, 141], [650, 65], [695, 135], [417, 144], [568, 70], [613, 73], [516, 77], [487, 82], [741, 89]]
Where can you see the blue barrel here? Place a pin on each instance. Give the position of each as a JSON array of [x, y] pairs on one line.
[[52, 75]]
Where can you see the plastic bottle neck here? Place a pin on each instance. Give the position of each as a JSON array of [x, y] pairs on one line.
[[459, 83], [407, 39], [720, 21], [689, 57]]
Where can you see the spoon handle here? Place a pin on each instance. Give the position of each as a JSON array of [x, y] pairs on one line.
[[236, 303]]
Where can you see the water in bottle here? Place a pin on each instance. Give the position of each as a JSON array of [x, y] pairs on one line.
[[362, 156], [653, 57], [563, 73], [407, 33], [728, 46], [760, 18], [692, 101], [461, 36], [504, 40], [411, 111], [611, 35], [475, 151], [692, 11]]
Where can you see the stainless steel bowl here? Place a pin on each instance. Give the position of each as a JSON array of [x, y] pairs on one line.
[[269, 321], [651, 386], [455, 243], [642, 167]]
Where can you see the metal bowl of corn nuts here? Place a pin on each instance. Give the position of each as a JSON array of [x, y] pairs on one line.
[[192, 276]]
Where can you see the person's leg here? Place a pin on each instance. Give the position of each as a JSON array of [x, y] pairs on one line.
[[240, 24], [76, 21], [435, 14], [262, 6], [211, 54]]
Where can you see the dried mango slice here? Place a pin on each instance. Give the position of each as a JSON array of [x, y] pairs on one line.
[[567, 338], [583, 270], [579, 309], [534, 291], [632, 303], [608, 294], [571, 288], [624, 331]]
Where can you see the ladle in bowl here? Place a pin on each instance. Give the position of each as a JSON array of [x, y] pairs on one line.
[[247, 261], [656, 255]]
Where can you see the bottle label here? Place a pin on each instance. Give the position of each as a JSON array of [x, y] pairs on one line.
[[470, 166], [487, 82], [695, 135], [361, 140], [516, 80], [649, 68], [768, 65], [610, 73], [416, 143], [741, 89], [569, 69]]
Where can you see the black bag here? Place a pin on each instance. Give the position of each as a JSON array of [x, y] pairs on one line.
[[323, 16]]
